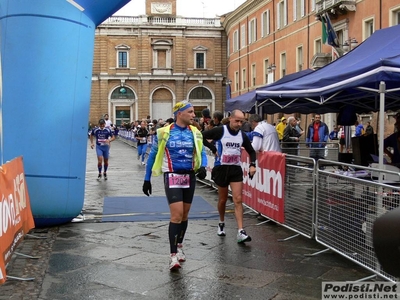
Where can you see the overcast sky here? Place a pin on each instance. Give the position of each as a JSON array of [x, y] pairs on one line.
[[186, 8]]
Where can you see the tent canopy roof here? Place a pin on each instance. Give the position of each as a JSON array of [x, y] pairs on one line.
[[352, 79]]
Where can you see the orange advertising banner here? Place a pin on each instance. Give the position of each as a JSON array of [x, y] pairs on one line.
[[265, 192], [15, 211]]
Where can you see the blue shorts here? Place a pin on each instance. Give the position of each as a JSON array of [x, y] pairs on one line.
[[103, 150]]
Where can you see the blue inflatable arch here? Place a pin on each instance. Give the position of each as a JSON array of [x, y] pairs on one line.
[[46, 63]]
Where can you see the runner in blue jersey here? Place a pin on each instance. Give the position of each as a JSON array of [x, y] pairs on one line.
[[104, 136], [178, 153]]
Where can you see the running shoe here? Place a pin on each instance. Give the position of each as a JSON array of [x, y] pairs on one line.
[[173, 262], [221, 231], [99, 177], [143, 163], [243, 237], [105, 176], [181, 256]]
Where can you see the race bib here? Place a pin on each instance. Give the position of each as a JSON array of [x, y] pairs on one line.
[[181, 181], [231, 159], [143, 139], [102, 142]]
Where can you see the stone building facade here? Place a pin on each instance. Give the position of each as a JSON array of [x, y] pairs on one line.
[[270, 39], [143, 65]]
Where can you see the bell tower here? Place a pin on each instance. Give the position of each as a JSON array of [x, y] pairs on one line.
[[161, 7]]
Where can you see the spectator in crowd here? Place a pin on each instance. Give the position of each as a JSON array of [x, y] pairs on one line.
[[298, 127], [169, 121], [369, 130], [281, 127], [142, 134], [342, 140], [227, 171], [177, 152], [205, 113], [393, 142], [246, 127], [291, 137], [265, 137], [359, 129], [104, 136], [108, 121], [334, 134], [217, 118], [317, 136]]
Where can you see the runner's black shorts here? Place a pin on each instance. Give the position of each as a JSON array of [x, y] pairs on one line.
[[223, 175], [176, 194]]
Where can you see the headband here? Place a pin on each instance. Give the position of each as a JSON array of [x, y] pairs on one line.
[[181, 106]]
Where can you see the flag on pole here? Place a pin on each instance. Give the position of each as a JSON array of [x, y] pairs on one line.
[[329, 36]]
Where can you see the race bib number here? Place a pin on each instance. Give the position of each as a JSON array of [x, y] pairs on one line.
[[231, 159], [102, 142], [181, 181]]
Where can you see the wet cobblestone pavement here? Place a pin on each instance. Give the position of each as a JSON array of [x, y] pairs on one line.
[[129, 260]]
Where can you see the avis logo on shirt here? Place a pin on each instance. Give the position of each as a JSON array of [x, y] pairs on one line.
[[232, 145]]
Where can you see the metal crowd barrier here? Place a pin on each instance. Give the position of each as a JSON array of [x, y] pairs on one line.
[[335, 203], [299, 200], [348, 201]]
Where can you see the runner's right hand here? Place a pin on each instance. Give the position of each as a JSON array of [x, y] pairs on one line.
[[147, 188]]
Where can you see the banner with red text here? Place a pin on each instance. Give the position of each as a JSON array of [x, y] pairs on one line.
[[265, 192], [15, 211]]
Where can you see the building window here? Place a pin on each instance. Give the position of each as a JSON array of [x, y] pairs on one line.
[[317, 46], [200, 93], [236, 40], [299, 58], [253, 74], [228, 44], [243, 78], [265, 29], [252, 31], [236, 81], [200, 61], [162, 56], [266, 65], [394, 17], [122, 93], [368, 28], [298, 9], [122, 56], [242, 36], [312, 5], [200, 57], [283, 64], [281, 14]]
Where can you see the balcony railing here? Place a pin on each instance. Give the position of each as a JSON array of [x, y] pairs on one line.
[[340, 5], [168, 21]]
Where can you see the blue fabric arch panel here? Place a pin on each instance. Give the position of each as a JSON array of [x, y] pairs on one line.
[[46, 57]]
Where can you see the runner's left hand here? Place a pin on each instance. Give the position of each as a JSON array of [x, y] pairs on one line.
[[201, 173]]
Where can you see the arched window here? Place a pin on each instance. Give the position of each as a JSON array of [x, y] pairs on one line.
[[200, 93], [122, 93]]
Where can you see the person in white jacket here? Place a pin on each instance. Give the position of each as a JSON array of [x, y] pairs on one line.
[[264, 135]]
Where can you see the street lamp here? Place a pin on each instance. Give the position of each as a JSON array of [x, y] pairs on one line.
[[350, 44], [271, 68]]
